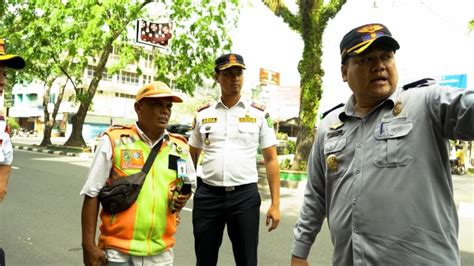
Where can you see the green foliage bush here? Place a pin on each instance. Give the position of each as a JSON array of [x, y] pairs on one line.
[[13, 124]]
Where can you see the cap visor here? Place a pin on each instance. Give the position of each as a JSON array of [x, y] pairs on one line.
[[12, 61], [175, 98], [226, 66], [385, 41]]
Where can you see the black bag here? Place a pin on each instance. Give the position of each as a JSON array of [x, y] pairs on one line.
[[122, 193]]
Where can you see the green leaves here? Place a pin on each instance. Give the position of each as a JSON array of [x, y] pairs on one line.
[[60, 38]]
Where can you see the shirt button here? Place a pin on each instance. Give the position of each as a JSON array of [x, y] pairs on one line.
[[358, 145], [392, 133], [357, 171], [356, 230], [363, 120], [354, 202]]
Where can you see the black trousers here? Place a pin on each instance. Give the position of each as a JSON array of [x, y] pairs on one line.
[[2, 257], [213, 208]]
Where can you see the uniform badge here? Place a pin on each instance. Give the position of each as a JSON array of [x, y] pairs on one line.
[[336, 125], [397, 109], [209, 120], [247, 119], [269, 120], [179, 149], [331, 162], [131, 159]]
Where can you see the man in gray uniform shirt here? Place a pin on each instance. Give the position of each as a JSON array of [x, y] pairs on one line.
[[379, 168]]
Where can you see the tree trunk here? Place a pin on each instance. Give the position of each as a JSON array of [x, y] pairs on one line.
[[48, 128], [76, 139], [49, 123]]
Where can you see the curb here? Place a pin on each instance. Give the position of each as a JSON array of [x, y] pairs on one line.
[[45, 150]]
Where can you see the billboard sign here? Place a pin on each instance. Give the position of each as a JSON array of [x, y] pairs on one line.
[[157, 34], [269, 77], [457, 81]]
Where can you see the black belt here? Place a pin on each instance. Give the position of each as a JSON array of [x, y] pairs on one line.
[[227, 189]]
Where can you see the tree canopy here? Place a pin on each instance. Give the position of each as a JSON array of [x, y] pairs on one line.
[[61, 38]]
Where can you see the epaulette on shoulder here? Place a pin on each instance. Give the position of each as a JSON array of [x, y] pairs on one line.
[[332, 109], [180, 137], [419, 83], [114, 127], [202, 107], [258, 106]]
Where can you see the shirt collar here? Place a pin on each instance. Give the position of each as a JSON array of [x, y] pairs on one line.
[[241, 102], [148, 141], [349, 109]]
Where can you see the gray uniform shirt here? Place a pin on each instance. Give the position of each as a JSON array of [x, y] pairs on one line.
[[384, 182]]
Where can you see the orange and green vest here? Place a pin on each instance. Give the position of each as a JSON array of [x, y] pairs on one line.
[[148, 226]]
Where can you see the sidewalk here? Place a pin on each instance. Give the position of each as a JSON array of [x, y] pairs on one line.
[[32, 144]]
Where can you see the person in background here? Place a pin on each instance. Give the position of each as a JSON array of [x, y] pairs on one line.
[[229, 133], [6, 154], [379, 168], [142, 234]]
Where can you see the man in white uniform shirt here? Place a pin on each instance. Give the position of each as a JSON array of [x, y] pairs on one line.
[[6, 154], [229, 133]]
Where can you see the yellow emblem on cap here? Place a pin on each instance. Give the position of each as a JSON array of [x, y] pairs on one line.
[[370, 29], [336, 125], [397, 109], [232, 59], [331, 162]]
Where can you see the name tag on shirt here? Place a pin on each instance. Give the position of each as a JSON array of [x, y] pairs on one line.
[[247, 120], [131, 159], [209, 120]]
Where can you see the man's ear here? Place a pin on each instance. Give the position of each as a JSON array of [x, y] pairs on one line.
[[344, 72], [137, 107]]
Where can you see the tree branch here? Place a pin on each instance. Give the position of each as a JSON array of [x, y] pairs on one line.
[[279, 9]]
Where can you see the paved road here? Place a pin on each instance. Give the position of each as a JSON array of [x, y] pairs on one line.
[[40, 219]]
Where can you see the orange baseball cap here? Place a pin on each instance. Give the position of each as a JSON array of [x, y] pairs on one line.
[[157, 89]]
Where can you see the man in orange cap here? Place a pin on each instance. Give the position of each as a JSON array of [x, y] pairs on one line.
[[143, 233], [6, 154]]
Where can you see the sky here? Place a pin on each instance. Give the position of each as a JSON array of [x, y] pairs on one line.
[[433, 36]]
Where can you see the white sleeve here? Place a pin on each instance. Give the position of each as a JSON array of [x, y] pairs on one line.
[[6, 155], [100, 168]]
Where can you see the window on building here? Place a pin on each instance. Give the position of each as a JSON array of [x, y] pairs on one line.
[[149, 61], [52, 98], [146, 79], [124, 95], [90, 71], [32, 98], [128, 78]]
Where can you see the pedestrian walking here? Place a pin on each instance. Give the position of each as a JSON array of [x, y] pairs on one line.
[[228, 133], [379, 167], [143, 233]]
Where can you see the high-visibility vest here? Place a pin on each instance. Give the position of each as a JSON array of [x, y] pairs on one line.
[[148, 226]]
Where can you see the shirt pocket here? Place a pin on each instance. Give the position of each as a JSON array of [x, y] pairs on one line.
[[248, 133], [212, 132], [393, 143], [336, 157]]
